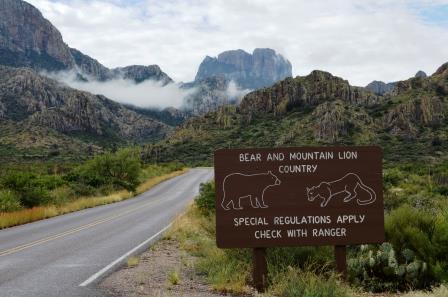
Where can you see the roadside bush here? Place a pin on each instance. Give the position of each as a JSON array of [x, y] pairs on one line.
[[414, 257], [9, 201], [118, 170], [61, 195], [206, 199], [32, 190]]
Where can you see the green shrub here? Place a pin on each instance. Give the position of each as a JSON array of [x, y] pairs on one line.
[[9, 201], [409, 228], [61, 195], [414, 257], [120, 170], [32, 190], [206, 199]]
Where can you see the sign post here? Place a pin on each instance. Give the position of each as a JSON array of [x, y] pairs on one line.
[[260, 269], [296, 197], [340, 254]]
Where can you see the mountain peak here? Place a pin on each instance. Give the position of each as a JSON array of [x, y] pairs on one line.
[[28, 39], [262, 68], [420, 74]]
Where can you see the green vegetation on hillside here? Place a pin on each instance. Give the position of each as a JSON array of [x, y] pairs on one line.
[[411, 124]]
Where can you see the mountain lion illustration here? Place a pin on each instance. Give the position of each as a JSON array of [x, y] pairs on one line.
[[349, 184], [237, 186]]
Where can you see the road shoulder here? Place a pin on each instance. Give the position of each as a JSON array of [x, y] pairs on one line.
[[163, 270]]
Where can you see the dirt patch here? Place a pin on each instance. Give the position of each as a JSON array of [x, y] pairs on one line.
[[162, 271]]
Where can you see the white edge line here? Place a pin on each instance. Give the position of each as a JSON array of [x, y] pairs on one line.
[[117, 261]]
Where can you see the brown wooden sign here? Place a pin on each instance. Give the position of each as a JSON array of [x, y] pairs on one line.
[[299, 196]]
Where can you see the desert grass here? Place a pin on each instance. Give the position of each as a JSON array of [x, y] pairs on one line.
[[441, 291], [173, 278], [10, 219], [224, 269], [133, 261]]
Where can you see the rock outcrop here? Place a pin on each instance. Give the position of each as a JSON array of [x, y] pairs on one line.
[[421, 74], [27, 39], [380, 88], [139, 73], [406, 119], [26, 96], [90, 67], [307, 91], [260, 69], [337, 120], [207, 95]]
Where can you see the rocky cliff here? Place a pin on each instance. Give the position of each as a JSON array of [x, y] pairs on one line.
[[27, 39], [260, 69], [380, 88], [27, 97], [139, 73], [306, 91], [208, 95]]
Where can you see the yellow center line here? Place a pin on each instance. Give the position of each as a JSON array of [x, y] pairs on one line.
[[72, 231]]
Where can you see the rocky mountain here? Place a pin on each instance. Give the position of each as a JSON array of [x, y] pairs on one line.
[[260, 69], [209, 94], [421, 74], [410, 122], [170, 116], [139, 73], [28, 99], [27, 39], [223, 80], [382, 88]]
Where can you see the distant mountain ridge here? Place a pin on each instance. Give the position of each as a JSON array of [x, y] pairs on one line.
[[27, 39], [382, 88], [410, 123], [262, 68]]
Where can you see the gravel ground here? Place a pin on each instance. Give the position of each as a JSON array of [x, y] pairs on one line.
[[151, 277]]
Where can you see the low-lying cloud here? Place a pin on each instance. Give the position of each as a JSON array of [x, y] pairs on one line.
[[147, 94]]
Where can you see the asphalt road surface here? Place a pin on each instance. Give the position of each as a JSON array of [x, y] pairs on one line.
[[67, 255]]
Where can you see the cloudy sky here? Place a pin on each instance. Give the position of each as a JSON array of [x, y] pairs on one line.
[[358, 40]]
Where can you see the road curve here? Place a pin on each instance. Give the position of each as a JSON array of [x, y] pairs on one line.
[[54, 257]]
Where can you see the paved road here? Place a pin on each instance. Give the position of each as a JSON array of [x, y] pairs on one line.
[[54, 256]]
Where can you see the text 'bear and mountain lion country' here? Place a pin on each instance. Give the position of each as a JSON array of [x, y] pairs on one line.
[[299, 196]]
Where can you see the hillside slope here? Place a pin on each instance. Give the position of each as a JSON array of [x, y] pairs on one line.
[[29, 101], [410, 123]]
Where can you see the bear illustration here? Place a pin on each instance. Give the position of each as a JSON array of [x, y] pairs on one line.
[[237, 186]]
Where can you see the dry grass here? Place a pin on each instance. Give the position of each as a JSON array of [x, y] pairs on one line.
[[223, 271], [441, 291], [133, 261], [173, 278], [9, 219]]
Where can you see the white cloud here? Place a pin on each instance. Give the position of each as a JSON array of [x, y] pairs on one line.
[[360, 41], [149, 93]]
